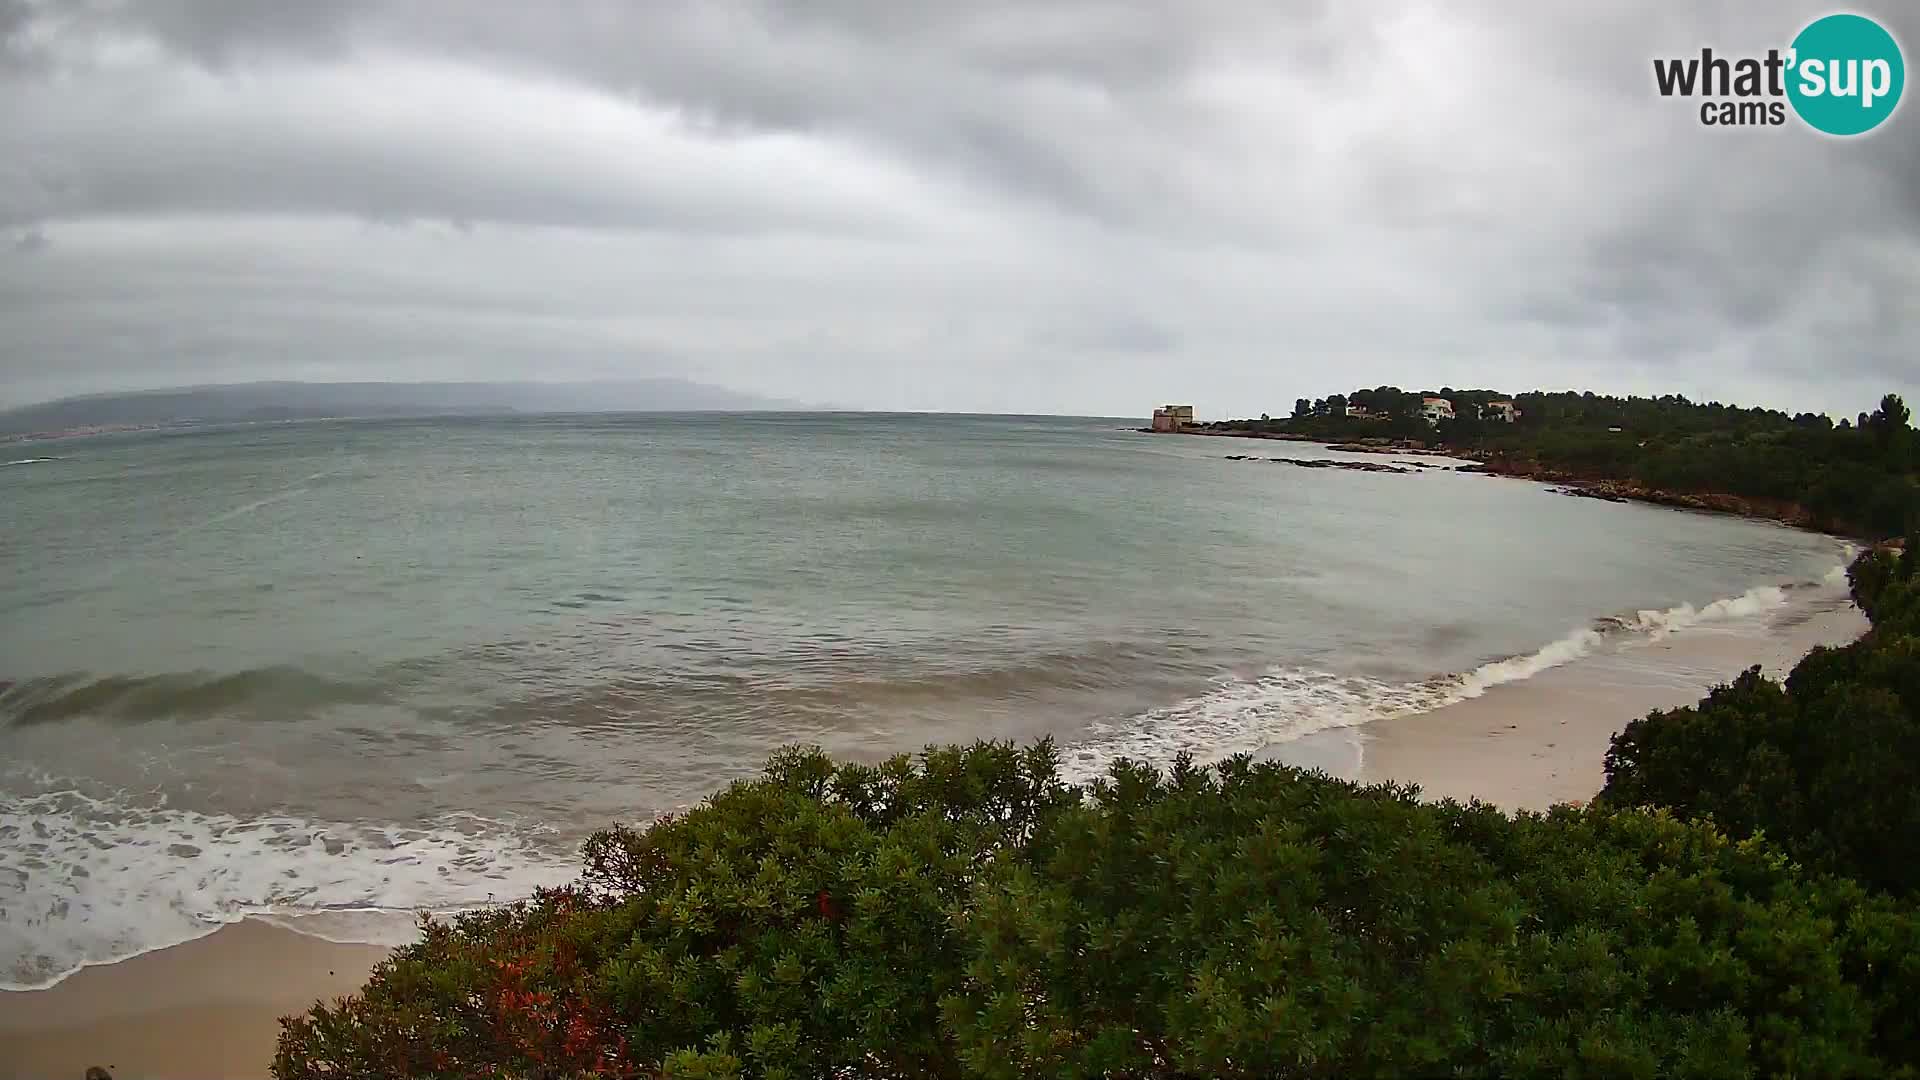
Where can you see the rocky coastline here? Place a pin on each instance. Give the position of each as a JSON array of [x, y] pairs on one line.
[[1786, 513], [1564, 481], [1326, 463]]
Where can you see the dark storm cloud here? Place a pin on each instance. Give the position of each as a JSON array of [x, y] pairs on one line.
[[211, 32], [13, 18], [16, 52], [1073, 205], [1061, 102]]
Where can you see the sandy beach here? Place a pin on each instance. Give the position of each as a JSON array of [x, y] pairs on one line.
[[1533, 744], [208, 1009], [205, 1010]]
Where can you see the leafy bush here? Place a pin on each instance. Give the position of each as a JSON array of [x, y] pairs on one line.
[[786, 927], [1828, 766], [1886, 586], [966, 914]]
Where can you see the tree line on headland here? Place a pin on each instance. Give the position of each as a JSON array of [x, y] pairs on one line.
[[1742, 900], [1857, 476]]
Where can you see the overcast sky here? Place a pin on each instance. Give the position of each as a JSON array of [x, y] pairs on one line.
[[992, 205]]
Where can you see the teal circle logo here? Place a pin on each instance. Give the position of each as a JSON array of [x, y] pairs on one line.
[[1845, 74]]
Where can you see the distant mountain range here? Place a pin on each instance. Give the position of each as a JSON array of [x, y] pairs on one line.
[[244, 402]]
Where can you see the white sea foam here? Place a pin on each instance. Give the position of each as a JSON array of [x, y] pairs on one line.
[[1244, 715], [86, 880], [1756, 601], [354, 926], [1247, 715], [32, 461]]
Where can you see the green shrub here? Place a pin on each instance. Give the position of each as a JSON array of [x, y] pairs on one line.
[[966, 914], [1827, 766], [1886, 585], [787, 927]]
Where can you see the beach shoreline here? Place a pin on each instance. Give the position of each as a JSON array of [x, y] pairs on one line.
[[210, 1008], [1542, 741], [207, 1009]]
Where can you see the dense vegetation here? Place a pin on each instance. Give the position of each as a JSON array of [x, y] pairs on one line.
[[1857, 476], [965, 913], [1826, 766]]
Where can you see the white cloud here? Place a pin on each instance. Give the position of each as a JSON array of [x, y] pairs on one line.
[[1067, 206]]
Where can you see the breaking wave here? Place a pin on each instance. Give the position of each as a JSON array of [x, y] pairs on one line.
[[90, 877], [268, 690], [87, 880], [1249, 715], [1658, 624]]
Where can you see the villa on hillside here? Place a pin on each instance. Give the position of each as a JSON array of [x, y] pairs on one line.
[[1172, 417], [1502, 411], [1358, 412], [1436, 409]]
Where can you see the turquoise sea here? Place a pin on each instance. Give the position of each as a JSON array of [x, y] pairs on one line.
[[335, 671]]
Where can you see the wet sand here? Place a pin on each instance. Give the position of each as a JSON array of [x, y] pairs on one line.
[[205, 1010], [1533, 744]]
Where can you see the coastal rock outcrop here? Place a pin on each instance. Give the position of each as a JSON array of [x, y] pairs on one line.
[[1788, 513], [1380, 446], [1325, 463]]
